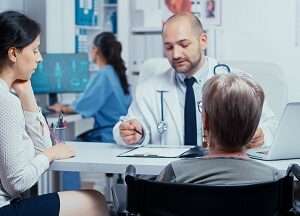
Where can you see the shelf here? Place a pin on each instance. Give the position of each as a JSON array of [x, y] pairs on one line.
[[94, 28], [141, 30], [110, 5]]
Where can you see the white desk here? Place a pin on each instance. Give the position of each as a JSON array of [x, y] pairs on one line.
[[102, 157]]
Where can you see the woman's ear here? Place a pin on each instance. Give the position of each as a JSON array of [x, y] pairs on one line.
[[12, 54], [97, 51]]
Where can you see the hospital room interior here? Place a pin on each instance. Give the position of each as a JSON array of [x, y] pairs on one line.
[[111, 82]]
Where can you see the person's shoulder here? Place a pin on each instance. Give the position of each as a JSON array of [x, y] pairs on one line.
[[107, 70], [269, 171], [10, 103], [165, 74], [157, 79], [259, 164], [9, 99], [106, 73], [187, 162], [102, 74]]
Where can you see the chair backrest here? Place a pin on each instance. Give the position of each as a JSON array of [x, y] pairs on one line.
[[153, 66], [270, 77], [151, 198]]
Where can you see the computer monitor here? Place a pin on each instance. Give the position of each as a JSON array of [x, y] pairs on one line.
[[61, 73]]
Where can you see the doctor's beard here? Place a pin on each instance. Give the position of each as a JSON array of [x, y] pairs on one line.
[[191, 68]]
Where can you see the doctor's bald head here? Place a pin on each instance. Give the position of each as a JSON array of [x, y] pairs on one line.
[[184, 41], [189, 19], [231, 108]]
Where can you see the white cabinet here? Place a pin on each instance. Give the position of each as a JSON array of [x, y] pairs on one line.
[[57, 21], [93, 17], [16, 5]]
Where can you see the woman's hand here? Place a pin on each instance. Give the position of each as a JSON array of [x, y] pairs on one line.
[[22, 87], [59, 151], [24, 91]]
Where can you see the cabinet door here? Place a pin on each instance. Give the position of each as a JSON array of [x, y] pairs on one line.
[[60, 26], [57, 20]]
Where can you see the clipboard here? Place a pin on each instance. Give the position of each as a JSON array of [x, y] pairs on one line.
[[156, 151]]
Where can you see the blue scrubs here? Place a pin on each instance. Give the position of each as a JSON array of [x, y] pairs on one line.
[[105, 100]]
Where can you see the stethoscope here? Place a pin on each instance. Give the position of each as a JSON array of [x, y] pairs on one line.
[[162, 125], [221, 69]]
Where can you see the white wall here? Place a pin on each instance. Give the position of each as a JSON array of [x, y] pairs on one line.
[[251, 30], [11, 5], [262, 30]]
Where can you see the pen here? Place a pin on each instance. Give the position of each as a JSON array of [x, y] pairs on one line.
[[145, 155], [60, 121], [139, 132], [52, 133]]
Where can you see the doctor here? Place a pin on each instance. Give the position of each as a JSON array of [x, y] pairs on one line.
[[174, 116]]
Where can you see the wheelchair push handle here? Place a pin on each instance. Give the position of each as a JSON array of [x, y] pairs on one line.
[[130, 170]]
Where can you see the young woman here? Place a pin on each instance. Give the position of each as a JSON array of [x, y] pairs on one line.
[[25, 145], [106, 97]]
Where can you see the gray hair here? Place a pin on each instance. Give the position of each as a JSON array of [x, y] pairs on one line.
[[232, 104]]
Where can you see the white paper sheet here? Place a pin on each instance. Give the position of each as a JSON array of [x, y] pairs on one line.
[[156, 151]]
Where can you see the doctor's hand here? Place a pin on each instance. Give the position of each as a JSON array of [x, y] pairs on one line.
[[131, 131], [257, 140]]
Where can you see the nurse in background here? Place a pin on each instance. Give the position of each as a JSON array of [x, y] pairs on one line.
[[107, 96]]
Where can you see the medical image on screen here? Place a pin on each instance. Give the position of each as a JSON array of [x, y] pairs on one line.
[[61, 73]]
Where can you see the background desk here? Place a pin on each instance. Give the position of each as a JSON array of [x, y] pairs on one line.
[[102, 157]]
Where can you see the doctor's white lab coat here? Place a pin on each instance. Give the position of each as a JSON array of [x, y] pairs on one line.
[[146, 108]]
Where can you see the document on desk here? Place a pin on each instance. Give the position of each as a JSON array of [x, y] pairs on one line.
[[156, 151]]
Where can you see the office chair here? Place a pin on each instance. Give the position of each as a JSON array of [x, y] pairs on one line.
[[152, 198], [270, 76]]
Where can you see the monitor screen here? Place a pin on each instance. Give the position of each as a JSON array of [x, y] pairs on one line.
[[61, 73]]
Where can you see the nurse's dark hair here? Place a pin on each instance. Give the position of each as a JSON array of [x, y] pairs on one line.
[[111, 50], [16, 30]]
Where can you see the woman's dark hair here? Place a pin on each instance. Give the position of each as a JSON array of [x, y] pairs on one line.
[[16, 30], [111, 50]]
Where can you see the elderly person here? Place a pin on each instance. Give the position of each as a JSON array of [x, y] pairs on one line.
[[231, 109]]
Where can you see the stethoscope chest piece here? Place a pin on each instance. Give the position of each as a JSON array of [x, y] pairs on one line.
[[162, 126]]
